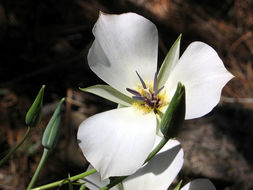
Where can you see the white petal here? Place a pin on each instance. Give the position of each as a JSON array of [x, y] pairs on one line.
[[117, 142], [202, 72], [160, 171], [199, 184], [124, 44]]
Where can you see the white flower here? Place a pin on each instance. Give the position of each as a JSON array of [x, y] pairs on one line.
[[124, 55], [158, 174]]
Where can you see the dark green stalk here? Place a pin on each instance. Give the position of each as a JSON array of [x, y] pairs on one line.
[[64, 181], [36, 174], [156, 149], [15, 148]]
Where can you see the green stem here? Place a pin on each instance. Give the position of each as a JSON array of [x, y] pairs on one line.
[[36, 174], [151, 155], [64, 181], [15, 148], [156, 149]]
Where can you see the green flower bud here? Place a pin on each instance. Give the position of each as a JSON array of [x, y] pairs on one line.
[[51, 132], [34, 114], [173, 118]]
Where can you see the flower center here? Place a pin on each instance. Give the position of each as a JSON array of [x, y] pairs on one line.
[[148, 97]]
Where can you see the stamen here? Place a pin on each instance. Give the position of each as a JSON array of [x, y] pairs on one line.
[[141, 98], [134, 92], [159, 90], [155, 82], [148, 97], [142, 82]]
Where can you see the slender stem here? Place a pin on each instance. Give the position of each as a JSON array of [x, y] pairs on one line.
[[64, 181], [151, 155], [37, 172], [156, 149], [15, 148], [70, 186]]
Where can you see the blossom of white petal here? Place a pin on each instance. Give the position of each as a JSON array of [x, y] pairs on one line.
[[160, 172], [124, 44], [117, 142], [199, 184], [203, 73]]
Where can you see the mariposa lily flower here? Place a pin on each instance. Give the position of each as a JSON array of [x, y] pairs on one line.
[[158, 174], [124, 55]]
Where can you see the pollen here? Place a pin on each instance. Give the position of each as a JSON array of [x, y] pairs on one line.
[[142, 107]]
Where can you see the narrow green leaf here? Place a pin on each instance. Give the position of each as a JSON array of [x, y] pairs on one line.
[[169, 63], [109, 93]]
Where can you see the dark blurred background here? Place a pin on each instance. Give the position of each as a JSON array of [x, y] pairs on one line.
[[46, 42]]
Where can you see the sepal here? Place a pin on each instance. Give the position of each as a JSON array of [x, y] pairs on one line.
[[173, 118], [169, 63]]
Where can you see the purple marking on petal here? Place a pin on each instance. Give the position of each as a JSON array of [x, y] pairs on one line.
[[142, 82], [141, 98], [159, 90], [134, 92], [155, 82]]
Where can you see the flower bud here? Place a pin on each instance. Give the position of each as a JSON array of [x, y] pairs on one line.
[[51, 132], [34, 114], [173, 118]]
